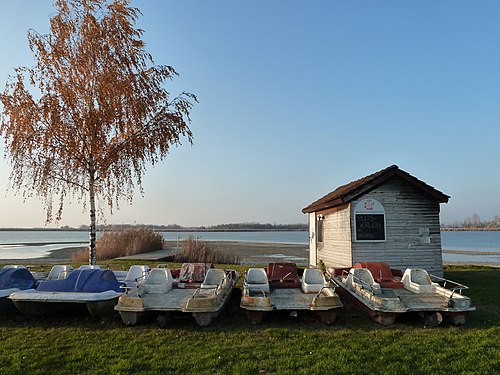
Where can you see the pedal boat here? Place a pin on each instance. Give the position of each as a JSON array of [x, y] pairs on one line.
[[13, 279], [195, 288], [97, 289], [384, 293], [278, 287], [57, 272]]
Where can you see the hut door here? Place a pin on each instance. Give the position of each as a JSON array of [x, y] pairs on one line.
[[313, 255]]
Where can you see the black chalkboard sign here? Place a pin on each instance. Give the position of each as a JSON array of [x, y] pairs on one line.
[[370, 227]]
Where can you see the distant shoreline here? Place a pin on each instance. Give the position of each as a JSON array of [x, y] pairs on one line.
[[169, 230], [155, 229], [470, 229]]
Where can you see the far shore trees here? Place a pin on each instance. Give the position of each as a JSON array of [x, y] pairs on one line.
[[475, 223], [92, 113]]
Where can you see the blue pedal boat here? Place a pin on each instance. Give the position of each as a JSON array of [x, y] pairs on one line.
[[13, 279], [97, 289]]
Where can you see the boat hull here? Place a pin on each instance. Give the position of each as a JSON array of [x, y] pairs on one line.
[[36, 308], [384, 318], [7, 307], [325, 305], [41, 304]]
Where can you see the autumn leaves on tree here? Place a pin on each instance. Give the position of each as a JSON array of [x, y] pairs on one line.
[[92, 113]]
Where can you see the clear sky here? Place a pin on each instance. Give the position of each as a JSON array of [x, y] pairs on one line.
[[300, 97]]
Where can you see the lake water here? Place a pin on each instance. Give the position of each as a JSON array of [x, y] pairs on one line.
[[457, 246]]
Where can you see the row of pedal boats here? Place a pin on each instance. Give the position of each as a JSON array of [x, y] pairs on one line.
[[202, 290]]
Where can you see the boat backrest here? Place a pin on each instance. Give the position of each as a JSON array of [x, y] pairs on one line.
[[89, 267], [59, 272], [14, 266], [420, 277], [256, 280], [417, 280], [283, 275], [362, 278], [214, 278], [137, 274], [194, 272], [382, 274], [159, 280], [312, 280]]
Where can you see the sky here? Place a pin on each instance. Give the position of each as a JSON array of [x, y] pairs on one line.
[[297, 98]]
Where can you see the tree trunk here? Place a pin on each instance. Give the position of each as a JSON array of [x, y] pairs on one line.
[[92, 231]]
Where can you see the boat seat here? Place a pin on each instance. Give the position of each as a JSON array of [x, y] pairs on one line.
[[89, 267], [137, 274], [256, 280], [363, 278], [282, 275], [214, 278], [159, 281], [193, 272], [382, 274], [418, 281], [14, 266], [59, 272], [312, 280]]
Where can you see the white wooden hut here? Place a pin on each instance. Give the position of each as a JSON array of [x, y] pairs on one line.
[[388, 216]]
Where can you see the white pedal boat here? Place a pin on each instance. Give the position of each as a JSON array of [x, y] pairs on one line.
[[384, 293], [278, 287], [196, 288]]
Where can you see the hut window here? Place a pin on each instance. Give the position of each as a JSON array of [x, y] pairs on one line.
[[319, 228], [369, 221]]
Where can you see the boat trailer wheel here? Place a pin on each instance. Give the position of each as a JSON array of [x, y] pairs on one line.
[[162, 320], [327, 317], [255, 317], [433, 319]]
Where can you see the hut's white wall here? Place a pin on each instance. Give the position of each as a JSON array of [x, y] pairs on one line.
[[408, 213], [312, 239], [335, 250]]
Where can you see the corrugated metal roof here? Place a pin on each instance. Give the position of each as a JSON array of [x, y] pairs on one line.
[[352, 190]]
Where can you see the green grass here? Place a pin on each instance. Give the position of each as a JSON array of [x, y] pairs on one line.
[[79, 344]]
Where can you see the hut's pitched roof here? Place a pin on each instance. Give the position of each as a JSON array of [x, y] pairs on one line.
[[352, 190]]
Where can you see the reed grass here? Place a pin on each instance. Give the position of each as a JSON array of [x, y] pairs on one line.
[[194, 250], [123, 243]]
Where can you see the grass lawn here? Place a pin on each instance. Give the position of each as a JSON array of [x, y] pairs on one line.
[[79, 344]]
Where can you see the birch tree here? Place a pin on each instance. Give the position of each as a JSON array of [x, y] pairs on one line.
[[85, 121]]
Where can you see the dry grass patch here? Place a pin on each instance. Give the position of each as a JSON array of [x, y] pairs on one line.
[[123, 243], [194, 250]]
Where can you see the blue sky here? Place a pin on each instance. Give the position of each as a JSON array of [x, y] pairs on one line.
[[297, 98]]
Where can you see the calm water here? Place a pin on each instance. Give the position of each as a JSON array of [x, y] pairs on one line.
[[471, 241], [471, 246], [32, 244], [37, 244]]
